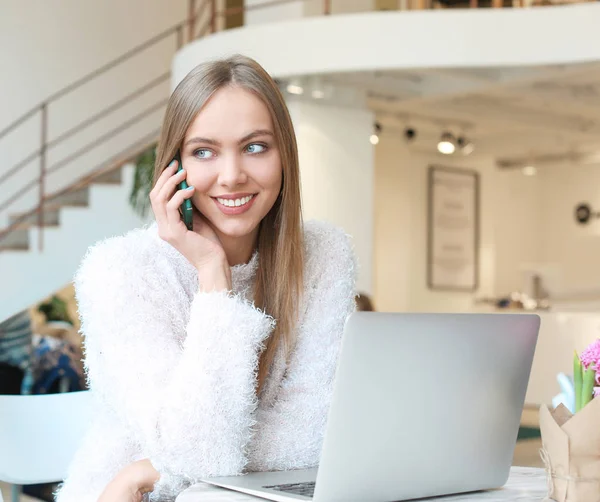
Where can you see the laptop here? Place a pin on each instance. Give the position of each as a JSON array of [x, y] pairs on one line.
[[423, 405]]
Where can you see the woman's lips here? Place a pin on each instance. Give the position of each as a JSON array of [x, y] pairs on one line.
[[244, 204]]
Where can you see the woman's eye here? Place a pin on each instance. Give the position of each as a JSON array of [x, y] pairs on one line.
[[203, 153], [256, 148]]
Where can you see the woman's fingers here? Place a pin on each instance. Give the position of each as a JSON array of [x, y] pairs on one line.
[[170, 185], [173, 216], [165, 175], [163, 190], [159, 208]]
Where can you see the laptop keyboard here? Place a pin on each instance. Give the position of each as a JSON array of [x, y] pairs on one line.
[[305, 489]]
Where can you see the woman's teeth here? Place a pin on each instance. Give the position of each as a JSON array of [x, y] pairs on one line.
[[236, 202]]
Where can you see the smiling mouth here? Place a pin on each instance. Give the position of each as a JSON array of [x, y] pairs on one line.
[[235, 202]]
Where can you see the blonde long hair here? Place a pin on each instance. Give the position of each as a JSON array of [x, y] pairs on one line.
[[279, 278]]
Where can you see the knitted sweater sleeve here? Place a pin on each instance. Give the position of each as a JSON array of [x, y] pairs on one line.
[[290, 430], [185, 388]]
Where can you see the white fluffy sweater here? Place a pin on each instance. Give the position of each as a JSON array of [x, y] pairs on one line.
[[173, 370]]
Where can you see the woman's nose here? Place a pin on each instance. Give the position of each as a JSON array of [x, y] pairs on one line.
[[232, 171]]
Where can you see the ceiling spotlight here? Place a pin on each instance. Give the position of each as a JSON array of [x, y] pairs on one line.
[[295, 88], [446, 145], [410, 133], [374, 139], [466, 147], [583, 213], [318, 88], [529, 170]]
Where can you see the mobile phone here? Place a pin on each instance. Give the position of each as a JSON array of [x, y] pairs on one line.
[[186, 208]]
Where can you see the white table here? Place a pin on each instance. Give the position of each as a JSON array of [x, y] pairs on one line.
[[525, 485]]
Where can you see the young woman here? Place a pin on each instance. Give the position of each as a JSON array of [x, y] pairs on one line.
[[212, 351]]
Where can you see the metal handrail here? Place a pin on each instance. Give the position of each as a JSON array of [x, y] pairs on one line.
[[112, 164], [82, 125], [47, 145], [90, 76], [105, 137], [196, 9], [62, 163], [17, 167], [115, 106]]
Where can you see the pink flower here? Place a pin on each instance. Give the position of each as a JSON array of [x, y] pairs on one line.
[[591, 356]]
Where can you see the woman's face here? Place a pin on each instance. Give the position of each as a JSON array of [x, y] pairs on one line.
[[230, 155]]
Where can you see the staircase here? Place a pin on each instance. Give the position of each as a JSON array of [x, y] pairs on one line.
[[24, 223], [82, 190], [72, 223]]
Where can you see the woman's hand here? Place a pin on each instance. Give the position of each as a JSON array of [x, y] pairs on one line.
[[201, 246], [131, 483]]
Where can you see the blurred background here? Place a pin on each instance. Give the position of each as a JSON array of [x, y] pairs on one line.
[[456, 141]]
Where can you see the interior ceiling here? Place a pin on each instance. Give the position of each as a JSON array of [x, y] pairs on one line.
[[517, 115]]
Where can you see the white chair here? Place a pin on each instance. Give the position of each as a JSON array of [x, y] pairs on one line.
[[39, 435]]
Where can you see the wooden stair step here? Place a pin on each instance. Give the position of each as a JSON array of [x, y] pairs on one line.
[[14, 248], [33, 224], [80, 197], [50, 218], [17, 239], [109, 178]]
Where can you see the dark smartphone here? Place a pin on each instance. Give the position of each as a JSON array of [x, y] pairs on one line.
[[186, 208]]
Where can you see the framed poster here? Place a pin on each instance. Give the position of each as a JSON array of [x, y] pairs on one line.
[[452, 229]]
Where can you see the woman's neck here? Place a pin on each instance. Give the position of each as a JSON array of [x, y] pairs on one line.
[[239, 250]]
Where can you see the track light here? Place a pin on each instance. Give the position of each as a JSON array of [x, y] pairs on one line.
[[466, 146], [374, 139], [447, 144], [529, 170], [294, 87], [410, 133]]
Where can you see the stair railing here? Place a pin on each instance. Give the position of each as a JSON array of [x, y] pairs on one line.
[[202, 19]]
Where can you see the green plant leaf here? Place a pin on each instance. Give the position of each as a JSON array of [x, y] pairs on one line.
[[55, 309], [142, 181]]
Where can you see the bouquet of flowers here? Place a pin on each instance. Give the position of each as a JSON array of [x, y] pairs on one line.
[[571, 442]]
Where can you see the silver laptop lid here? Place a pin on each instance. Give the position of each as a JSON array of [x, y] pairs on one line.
[[425, 404]]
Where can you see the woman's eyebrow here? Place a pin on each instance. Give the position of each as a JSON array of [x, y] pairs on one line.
[[202, 140], [258, 132], [209, 141]]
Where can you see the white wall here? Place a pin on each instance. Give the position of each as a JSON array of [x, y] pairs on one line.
[[527, 226], [336, 162], [392, 225], [46, 45], [517, 222], [537, 231], [400, 207], [572, 249]]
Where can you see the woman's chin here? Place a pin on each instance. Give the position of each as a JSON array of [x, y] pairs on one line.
[[236, 228]]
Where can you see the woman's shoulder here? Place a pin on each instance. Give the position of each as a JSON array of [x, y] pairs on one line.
[[327, 248], [122, 255]]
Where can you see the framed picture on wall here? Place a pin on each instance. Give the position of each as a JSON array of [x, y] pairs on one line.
[[452, 229]]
